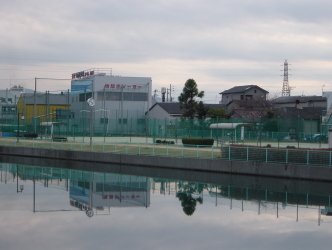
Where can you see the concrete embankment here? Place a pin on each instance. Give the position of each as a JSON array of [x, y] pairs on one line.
[[293, 171]]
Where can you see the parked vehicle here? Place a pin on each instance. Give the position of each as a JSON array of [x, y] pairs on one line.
[[319, 138]]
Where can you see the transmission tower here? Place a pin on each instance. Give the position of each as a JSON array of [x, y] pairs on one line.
[[286, 89]]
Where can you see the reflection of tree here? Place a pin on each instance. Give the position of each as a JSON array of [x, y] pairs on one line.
[[189, 195], [187, 202], [191, 187]]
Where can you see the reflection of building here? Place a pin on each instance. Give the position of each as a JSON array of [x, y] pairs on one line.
[[115, 191], [122, 99]]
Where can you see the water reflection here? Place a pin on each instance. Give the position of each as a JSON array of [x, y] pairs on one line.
[[96, 193]]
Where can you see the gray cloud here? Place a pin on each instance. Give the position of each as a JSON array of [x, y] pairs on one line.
[[41, 37]]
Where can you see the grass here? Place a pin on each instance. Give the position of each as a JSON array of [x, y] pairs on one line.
[[120, 148]]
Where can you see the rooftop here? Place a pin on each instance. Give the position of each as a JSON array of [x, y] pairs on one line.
[[241, 89]]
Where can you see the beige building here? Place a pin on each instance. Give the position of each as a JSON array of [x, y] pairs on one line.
[[245, 92]]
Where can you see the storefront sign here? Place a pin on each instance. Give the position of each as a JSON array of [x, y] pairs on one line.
[[82, 74], [117, 86]]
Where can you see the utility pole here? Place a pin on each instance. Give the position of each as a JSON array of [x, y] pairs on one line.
[[163, 91]]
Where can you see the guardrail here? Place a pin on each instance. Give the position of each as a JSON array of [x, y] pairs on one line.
[[238, 153]]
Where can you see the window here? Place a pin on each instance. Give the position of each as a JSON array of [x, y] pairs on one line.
[[85, 96], [8, 110], [141, 121], [242, 97], [140, 96], [127, 96], [123, 121], [103, 120], [248, 97]]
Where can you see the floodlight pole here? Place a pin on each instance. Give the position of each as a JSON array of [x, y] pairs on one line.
[[35, 107], [91, 123]]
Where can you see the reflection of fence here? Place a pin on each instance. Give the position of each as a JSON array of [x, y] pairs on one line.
[[257, 154]]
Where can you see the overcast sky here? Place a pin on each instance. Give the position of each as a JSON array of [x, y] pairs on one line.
[[220, 44]]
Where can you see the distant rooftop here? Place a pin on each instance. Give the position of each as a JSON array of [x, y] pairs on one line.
[[173, 108], [241, 89], [302, 99]]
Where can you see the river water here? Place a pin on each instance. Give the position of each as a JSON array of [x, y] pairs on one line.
[[54, 207]]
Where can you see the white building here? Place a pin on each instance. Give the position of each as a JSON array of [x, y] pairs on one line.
[[120, 102], [8, 102]]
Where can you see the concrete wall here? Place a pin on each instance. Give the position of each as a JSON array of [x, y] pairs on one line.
[[305, 172]]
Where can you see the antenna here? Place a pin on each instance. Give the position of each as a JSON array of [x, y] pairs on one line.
[[286, 89]]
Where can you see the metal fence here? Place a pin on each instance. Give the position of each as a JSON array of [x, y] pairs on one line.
[[74, 123], [240, 153]]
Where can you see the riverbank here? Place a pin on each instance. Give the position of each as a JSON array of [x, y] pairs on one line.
[[253, 168]]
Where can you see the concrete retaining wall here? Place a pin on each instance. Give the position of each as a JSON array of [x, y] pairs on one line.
[[321, 173]]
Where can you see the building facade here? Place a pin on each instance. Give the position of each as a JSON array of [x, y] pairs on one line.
[[120, 102], [245, 92]]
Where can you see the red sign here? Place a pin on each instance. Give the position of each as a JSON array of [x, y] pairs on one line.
[[117, 86]]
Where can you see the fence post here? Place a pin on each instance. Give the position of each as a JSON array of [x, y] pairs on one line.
[[212, 153], [229, 152], [308, 154], [126, 147], [152, 148], [139, 149], [196, 151], [247, 153], [330, 159], [182, 150], [286, 155], [266, 157]]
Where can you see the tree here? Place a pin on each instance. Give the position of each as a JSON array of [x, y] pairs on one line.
[[202, 110], [188, 97], [217, 113]]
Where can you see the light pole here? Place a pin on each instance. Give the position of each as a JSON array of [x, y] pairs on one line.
[[18, 125], [21, 186], [91, 103]]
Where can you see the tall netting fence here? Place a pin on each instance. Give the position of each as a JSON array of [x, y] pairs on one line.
[[59, 121]]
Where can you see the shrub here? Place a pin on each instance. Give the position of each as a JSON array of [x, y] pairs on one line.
[[165, 142], [31, 135], [268, 145], [197, 141]]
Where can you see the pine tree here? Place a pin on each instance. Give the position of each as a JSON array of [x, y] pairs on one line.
[[187, 98]]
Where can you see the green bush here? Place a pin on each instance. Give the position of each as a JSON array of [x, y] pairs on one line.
[[197, 141]]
